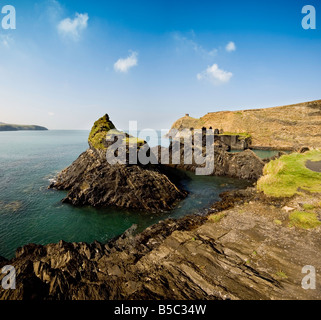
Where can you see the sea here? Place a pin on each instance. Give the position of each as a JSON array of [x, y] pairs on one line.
[[31, 213]]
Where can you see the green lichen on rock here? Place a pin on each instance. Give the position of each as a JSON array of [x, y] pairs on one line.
[[97, 136]]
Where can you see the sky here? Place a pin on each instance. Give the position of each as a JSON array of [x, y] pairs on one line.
[[69, 62]]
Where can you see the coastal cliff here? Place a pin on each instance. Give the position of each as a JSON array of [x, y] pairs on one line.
[[279, 128]]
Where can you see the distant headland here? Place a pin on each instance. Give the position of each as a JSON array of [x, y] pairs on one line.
[[17, 127]]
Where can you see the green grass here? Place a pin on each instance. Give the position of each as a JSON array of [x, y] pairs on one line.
[[243, 135], [216, 217], [285, 176], [133, 140], [308, 207], [281, 274], [97, 136], [304, 220], [104, 128]]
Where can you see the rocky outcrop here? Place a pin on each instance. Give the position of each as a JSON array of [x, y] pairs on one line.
[[280, 128], [243, 165], [238, 254], [91, 180]]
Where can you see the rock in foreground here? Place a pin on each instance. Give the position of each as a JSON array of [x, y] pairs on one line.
[[240, 253]]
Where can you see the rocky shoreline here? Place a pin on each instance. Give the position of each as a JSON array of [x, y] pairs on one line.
[[99, 271], [244, 247], [231, 253]]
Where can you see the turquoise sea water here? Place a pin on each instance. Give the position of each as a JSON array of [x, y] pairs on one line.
[[261, 153], [30, 213]]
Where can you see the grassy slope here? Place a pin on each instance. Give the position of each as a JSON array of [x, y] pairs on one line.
[[288, 175]]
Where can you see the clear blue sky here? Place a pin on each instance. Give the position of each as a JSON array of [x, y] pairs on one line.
[[70, 62]]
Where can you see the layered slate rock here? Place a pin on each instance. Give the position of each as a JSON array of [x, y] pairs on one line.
[[91, 180]]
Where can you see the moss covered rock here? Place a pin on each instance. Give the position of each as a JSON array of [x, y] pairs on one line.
[[98, 134]]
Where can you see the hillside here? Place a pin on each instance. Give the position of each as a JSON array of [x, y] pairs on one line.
[[286, 127], [16, 127]]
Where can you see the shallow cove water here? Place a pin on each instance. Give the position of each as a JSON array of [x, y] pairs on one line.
[[30, 213]]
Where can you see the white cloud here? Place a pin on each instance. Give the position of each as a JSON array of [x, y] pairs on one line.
[[51, 114], [230, 47], [184, 41], [72, 28], [53, 10], [215, 75], [6, 41], [123, 65]]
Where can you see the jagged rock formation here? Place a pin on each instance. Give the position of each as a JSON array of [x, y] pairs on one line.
[[287, 127], [242, 255], [91, 180]]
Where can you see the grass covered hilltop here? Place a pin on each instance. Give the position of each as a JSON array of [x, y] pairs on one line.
[[17, 127]]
